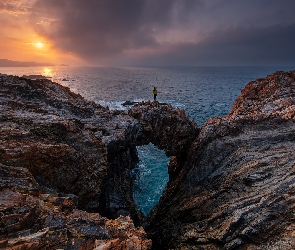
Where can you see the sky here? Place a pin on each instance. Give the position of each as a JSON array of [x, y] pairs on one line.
[[149, 32]]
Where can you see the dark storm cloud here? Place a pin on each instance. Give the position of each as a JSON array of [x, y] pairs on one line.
[[239, 46], [102, 28], [91, 28], [189, 32]]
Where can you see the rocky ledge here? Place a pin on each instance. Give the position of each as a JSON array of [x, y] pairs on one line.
[[68, 144], [65, 162], [65, 167], [59, 155], [236, 190]]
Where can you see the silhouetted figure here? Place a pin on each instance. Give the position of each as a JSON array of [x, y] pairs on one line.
[[155, 92]]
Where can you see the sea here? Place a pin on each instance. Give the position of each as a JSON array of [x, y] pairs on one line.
[[202, 92]]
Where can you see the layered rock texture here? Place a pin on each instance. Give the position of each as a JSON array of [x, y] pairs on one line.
[[65, 167], [34, 220], [167, 128], [236, 189], [59, 152], [67, 143]]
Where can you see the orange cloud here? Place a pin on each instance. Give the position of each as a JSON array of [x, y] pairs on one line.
[[15, 7], [19, 40]]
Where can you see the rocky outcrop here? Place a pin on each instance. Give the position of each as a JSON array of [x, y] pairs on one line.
[[59, 152], [73, 151], [236, 189], [34, 220], [268, 97], [67, 143], [65, 163], [167, 128]]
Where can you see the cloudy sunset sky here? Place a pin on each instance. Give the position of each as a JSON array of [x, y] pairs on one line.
[[149, 32]]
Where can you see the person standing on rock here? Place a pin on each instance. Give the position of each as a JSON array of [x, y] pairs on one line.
[[155, 92]]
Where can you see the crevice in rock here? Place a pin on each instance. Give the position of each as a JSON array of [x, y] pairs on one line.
[[233, 191], [116, 197], [150, 177], [169, 130]]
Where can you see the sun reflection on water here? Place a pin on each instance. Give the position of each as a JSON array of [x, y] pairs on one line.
[[48, 72]]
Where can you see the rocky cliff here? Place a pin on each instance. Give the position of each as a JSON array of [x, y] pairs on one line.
[[58, 150], [65, 171], [60, 153], [236, 190]]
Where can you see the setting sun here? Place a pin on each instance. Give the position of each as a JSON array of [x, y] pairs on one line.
[[39, 45]]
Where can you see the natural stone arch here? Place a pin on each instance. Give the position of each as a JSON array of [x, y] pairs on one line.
[[167, 128]]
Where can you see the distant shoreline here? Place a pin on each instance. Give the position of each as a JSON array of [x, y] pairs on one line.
[[9, 63]]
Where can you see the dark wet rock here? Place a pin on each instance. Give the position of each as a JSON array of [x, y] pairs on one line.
[[131, 103], [128, 103], [236, 189]]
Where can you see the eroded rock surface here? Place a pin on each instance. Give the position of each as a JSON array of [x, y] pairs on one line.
[[30, 219], [236, 189], [59, 152], [68, 151], [231, 185], [69, 145], [167, 128]]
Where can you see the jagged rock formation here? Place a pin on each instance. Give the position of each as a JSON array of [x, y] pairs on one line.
[[167, 128], [68, 144], [59, 152], [236, 189], [170, 129], [231, 185], [64, 150], [32, 220]]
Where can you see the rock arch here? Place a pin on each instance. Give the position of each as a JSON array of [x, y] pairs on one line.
[[167, 128]]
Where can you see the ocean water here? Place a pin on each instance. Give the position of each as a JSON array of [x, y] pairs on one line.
[[203, 92]]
